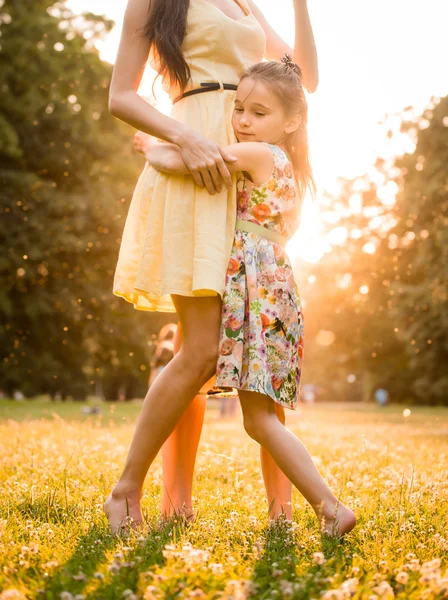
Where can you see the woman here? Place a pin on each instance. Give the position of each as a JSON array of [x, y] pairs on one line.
[[178, 235]]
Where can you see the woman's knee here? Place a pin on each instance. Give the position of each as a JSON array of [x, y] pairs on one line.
[[208, 358], [200, 319], [201, 358]]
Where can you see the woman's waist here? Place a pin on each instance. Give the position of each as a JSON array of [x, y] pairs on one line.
[[210, 114], [209, 88], [267, 230]]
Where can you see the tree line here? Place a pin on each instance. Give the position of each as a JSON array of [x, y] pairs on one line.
[[376, 310]]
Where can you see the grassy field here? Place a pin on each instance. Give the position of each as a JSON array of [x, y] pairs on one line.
[[57, 466]]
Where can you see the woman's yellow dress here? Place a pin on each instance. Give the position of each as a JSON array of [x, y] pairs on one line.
[[177, 238]]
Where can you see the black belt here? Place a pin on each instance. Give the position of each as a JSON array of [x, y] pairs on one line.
[[207, 87]]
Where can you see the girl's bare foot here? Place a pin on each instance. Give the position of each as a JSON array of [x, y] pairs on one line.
[[338, 522], [123, 510]]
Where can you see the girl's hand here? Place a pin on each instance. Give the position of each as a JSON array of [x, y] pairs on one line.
[[161, 156], [140, 141], [205, 161]]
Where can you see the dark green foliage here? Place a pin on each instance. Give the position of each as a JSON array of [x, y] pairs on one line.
[[67, 174], [422, 220]]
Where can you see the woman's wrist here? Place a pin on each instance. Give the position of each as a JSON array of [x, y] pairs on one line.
[[180, 136]]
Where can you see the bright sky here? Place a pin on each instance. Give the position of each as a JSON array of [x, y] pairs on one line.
[[375, 58]]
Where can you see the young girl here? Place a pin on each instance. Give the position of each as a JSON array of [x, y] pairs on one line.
[[261, 342]]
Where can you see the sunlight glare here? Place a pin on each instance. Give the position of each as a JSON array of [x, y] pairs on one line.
[[306, 242], [369, 248], [388, 193], [337, 236]]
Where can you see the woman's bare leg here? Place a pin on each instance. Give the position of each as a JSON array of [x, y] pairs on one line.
[[179, 457], [179, 454], [166, 401], [262, 424], [278, 487]]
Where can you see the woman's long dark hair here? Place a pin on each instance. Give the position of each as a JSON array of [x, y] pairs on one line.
[[165, 30]]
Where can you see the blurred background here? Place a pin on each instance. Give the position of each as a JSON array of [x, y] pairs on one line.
[[370, 257]]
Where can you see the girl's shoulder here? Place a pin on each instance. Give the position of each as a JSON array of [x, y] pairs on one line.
[[282, 168], [278, 152]]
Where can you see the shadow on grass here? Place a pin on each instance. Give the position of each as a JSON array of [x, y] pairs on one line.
[[287, 568], [278, 561], [144, 550], [87, 556]]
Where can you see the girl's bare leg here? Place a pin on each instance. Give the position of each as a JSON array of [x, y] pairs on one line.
[[278, 487], [166, 401], [262, 424]]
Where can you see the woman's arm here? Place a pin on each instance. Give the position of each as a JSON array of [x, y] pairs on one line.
[[304, 53], [252, 157], [204, 159]]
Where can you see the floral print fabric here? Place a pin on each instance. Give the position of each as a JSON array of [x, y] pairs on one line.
[[261, 341]]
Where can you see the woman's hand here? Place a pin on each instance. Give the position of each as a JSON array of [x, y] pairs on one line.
[[304, 52], [206, 162], [203, 158]]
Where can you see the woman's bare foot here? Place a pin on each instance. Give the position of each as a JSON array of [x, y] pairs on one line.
[[181, 512], [338, 522], [123, 510], [182, 515]]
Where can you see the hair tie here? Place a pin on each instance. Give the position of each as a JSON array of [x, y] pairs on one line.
[[287, 61]]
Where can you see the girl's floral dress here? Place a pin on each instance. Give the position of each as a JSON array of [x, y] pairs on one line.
[[261, 342]]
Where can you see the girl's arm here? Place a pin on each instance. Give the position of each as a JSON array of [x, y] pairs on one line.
[[304, 53], [203, 158], [254, 158]]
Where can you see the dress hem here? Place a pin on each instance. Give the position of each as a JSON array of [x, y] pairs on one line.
[[155, 305], [224, 383]]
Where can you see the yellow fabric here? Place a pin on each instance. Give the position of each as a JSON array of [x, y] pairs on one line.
[[261, 231], [177, 238]]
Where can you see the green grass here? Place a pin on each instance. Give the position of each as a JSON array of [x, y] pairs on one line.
[[57, 466]]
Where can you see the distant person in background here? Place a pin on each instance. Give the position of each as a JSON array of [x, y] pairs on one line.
[[162, 357], [229, 402], [309, 393], [381, 396], [164, 351]]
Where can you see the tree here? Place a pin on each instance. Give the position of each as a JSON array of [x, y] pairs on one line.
[[351, 346], [421, 237], [67, 174], [377, 312]]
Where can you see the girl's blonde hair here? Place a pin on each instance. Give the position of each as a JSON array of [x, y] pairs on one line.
[[284, 81]]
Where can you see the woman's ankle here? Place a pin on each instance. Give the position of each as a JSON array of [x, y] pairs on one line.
[[282, 512], [126, 489], [177, 509]]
